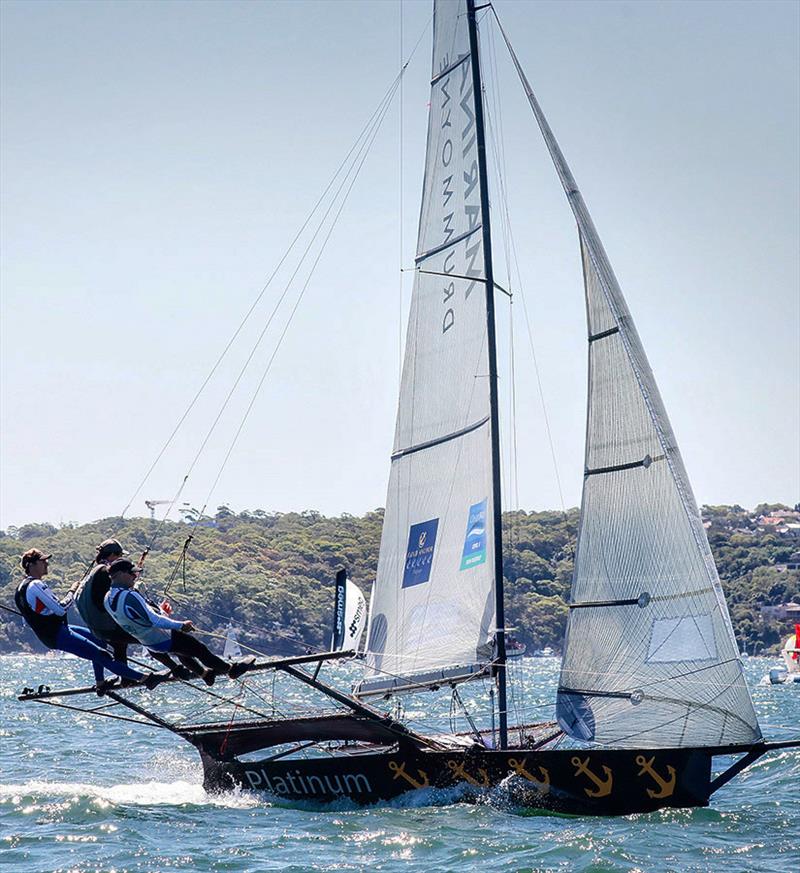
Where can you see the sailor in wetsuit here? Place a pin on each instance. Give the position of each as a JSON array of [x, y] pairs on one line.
[[155, 629], [89, 603], [47, 617]]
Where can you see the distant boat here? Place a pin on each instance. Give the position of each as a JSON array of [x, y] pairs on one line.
[[789, 672], [232, 650], [791, 651], [546, 652], [515, 648]]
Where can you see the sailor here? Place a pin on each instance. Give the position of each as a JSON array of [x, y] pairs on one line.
[[154, 629], [89, 603], [47, 617]]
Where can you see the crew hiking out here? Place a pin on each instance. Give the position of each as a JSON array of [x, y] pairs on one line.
[[47, 617], [89, 603], [149, 624]]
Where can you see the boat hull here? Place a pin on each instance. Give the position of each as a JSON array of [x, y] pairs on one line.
[[580, 782]]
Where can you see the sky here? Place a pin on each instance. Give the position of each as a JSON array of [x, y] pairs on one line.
[[157, 159]]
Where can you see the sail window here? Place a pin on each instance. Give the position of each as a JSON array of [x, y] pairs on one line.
[[687, 638]]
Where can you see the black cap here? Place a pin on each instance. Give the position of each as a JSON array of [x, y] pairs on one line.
[[109, 549]]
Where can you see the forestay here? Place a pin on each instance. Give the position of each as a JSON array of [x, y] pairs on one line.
[[650, 658], [433, 608]]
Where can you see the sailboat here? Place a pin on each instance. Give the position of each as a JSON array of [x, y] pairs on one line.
[[231, 650], [791, 651], [789, 671], [651, 687]]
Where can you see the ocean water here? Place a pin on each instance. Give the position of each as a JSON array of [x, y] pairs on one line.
[[78, 793]]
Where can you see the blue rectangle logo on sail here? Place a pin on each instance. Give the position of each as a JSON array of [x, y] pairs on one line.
[[475, 541], [419, 554]]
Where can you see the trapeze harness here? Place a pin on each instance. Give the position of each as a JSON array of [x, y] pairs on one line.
[[89, 603], [52, 628], [42, 618]]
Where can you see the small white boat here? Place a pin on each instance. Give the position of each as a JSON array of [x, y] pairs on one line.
[[791, 652], [232, 650], [515, 648], [789, 671]]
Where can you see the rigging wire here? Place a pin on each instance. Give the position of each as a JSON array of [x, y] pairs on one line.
[[361, 148], [513, 261], [291, 317], [378, 113], [358, 161], [260, 295]]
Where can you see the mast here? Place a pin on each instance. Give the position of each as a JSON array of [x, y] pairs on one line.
[[500, 635]]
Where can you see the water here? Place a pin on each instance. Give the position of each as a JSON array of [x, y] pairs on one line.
[[79, 793]]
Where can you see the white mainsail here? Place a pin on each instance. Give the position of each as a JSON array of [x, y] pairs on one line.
[[650, 657], [433, 612]]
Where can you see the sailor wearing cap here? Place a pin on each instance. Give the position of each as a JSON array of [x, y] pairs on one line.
[[89, 599], [47, 616], [89, 603], [147, 622]]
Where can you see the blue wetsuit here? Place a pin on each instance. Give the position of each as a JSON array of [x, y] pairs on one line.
[[48, 619]]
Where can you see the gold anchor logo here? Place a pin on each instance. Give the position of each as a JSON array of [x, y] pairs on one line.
[[542, 785], [422, 537], [603, 785], [400, 770], [665, 786], [459, 771]]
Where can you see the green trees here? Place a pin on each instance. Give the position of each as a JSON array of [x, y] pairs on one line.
[[271, 574]]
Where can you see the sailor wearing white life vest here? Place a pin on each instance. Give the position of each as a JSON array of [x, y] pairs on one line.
[[154, 629]]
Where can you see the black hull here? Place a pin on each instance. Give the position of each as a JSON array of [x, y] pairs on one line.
[[588, 782]]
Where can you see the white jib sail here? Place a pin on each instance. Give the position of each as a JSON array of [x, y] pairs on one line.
[[433, 605], [650, 657]]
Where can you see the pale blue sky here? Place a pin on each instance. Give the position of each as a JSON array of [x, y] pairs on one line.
[[158, 157]]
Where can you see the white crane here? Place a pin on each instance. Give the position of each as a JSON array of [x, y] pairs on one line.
[[152, 504]]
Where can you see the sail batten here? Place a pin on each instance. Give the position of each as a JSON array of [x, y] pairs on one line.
[[448, 244], [442, 439]]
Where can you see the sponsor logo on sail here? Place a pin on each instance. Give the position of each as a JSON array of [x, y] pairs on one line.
[[460, 191], [474, 552], [419, 554]]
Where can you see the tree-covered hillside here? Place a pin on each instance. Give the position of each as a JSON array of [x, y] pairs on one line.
[[272, 573]]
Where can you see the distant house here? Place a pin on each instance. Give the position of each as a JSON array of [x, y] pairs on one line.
[[782, 611]]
